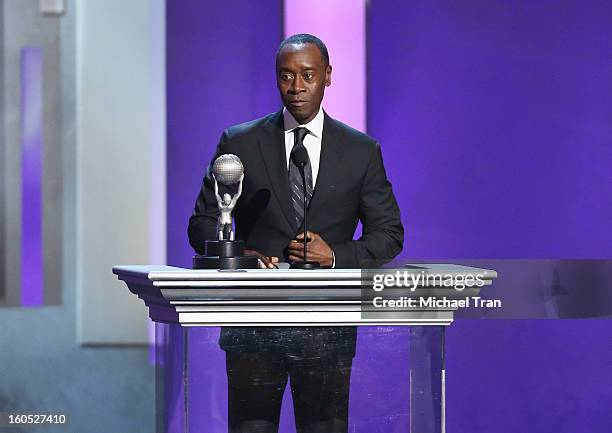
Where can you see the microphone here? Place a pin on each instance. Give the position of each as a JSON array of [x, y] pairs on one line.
[[299, 156]]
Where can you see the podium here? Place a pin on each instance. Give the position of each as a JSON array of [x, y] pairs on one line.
[[182, 300]]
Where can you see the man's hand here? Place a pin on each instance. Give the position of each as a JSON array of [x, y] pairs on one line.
[[265, 262], [317, 249]]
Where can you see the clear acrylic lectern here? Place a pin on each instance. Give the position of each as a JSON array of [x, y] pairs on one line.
[[397, 375]]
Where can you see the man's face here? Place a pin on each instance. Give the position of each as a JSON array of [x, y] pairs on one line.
[[301, 78]]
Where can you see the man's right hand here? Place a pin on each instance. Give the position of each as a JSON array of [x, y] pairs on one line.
[[265, 262]]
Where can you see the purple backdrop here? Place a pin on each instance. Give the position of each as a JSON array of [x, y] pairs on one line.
[[219, 72], [540, 376], [495, 124], [495, 121]]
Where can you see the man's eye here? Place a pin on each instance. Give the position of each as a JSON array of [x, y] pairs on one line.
[[287, 77], [308, 76]]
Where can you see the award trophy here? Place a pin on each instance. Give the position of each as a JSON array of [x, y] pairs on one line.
[[225, 252]]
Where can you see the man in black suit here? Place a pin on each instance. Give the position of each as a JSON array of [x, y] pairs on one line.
[[346, 182]]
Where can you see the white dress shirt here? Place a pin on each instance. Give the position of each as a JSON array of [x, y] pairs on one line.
[[312, 141]]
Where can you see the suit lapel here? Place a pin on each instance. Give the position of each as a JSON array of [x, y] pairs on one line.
[[272, 147], [329, 166]]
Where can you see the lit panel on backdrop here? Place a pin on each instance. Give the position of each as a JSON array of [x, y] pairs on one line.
[[341, 25], [31, 176]]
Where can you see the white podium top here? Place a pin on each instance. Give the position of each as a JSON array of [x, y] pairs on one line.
[[294, 297]]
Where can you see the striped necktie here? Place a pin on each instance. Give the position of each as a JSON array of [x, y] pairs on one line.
[[295, 180]]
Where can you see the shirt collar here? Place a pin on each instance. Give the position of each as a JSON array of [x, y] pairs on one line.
[[315, 126]]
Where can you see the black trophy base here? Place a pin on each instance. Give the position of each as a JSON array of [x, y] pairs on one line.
[[305, 265], [215, 262], [224, 255]]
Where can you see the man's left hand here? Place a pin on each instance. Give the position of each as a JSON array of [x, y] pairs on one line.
[[317, 249]]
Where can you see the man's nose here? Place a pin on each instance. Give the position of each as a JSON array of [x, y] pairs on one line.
[[297, 85]]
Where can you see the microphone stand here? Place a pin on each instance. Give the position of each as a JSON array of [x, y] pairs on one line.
[[305, 264]]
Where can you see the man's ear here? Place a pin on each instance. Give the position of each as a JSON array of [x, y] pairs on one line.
[[328, 72]]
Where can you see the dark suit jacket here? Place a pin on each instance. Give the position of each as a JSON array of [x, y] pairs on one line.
[[351, 185]]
